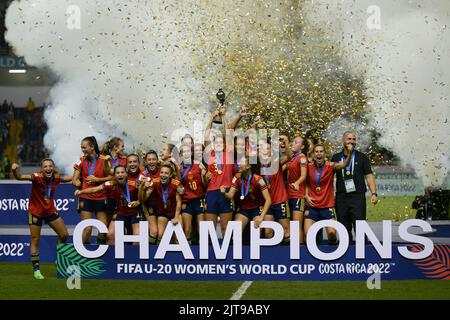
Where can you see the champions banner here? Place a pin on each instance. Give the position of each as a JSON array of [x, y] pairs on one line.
[[14, 199], [274, 265]]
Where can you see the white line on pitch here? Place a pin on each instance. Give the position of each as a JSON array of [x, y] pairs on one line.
[[241, 291]]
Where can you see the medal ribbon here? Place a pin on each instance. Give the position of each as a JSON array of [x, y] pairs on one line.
[[248, 185], [351, 164], [183, 174], [91, 168], [319, 175]]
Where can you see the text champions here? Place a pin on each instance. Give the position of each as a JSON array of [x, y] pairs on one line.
[[208, 240]]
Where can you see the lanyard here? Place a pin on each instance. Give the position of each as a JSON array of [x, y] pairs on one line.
[[165, 193], [319, 175], [49, 188], [91, 168], [115, 162], [127, 195], [183, 174], [243, 195], [237, 166], [351, 164]]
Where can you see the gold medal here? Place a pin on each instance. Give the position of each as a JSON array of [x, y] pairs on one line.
[[242, 197], [219, 171], [46, 199], [318, 189], [347, 172]]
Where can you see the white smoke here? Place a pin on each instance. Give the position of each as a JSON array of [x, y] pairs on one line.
[[406, 64]]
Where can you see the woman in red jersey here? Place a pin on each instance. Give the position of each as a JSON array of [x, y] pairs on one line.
[[166, 156], [151, 170], [192, 177], [42, 206], [253, 193], [319, 190], [92, 170], [124, 190], [219, 174], [168, 192]]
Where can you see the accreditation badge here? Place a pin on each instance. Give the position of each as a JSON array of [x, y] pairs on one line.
[[349, 185]]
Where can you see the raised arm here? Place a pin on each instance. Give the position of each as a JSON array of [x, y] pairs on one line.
[[342, 165], [145, 190], [18, 175]]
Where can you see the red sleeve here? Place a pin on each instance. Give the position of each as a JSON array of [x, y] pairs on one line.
[[77, 166], [35, 177]]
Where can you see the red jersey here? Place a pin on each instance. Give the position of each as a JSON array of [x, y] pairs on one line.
[[173, 188], [119, 161], [325, 194], [220, 176], [293, 174], [276, 186], [192, 181], [146, 173], [134, 177], [120, 194], [254, 198], [41, 204], [87, 168]]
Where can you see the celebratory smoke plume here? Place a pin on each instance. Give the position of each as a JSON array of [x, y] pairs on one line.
[[403, 51], [145, 68]]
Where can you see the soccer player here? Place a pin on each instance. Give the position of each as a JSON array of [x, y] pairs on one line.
[[93, 170], [169, 193], [296, 177], [42, 207], [193, 179], [254, 196], [275, 184], [125, 192], [319, 192], [219, 174], [151, 170]]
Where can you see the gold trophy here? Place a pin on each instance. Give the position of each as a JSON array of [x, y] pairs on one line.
[[220, 95]]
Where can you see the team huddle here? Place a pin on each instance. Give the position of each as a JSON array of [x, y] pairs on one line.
[[154, 187]]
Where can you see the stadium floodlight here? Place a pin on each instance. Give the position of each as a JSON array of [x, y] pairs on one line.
[[17, 70]]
